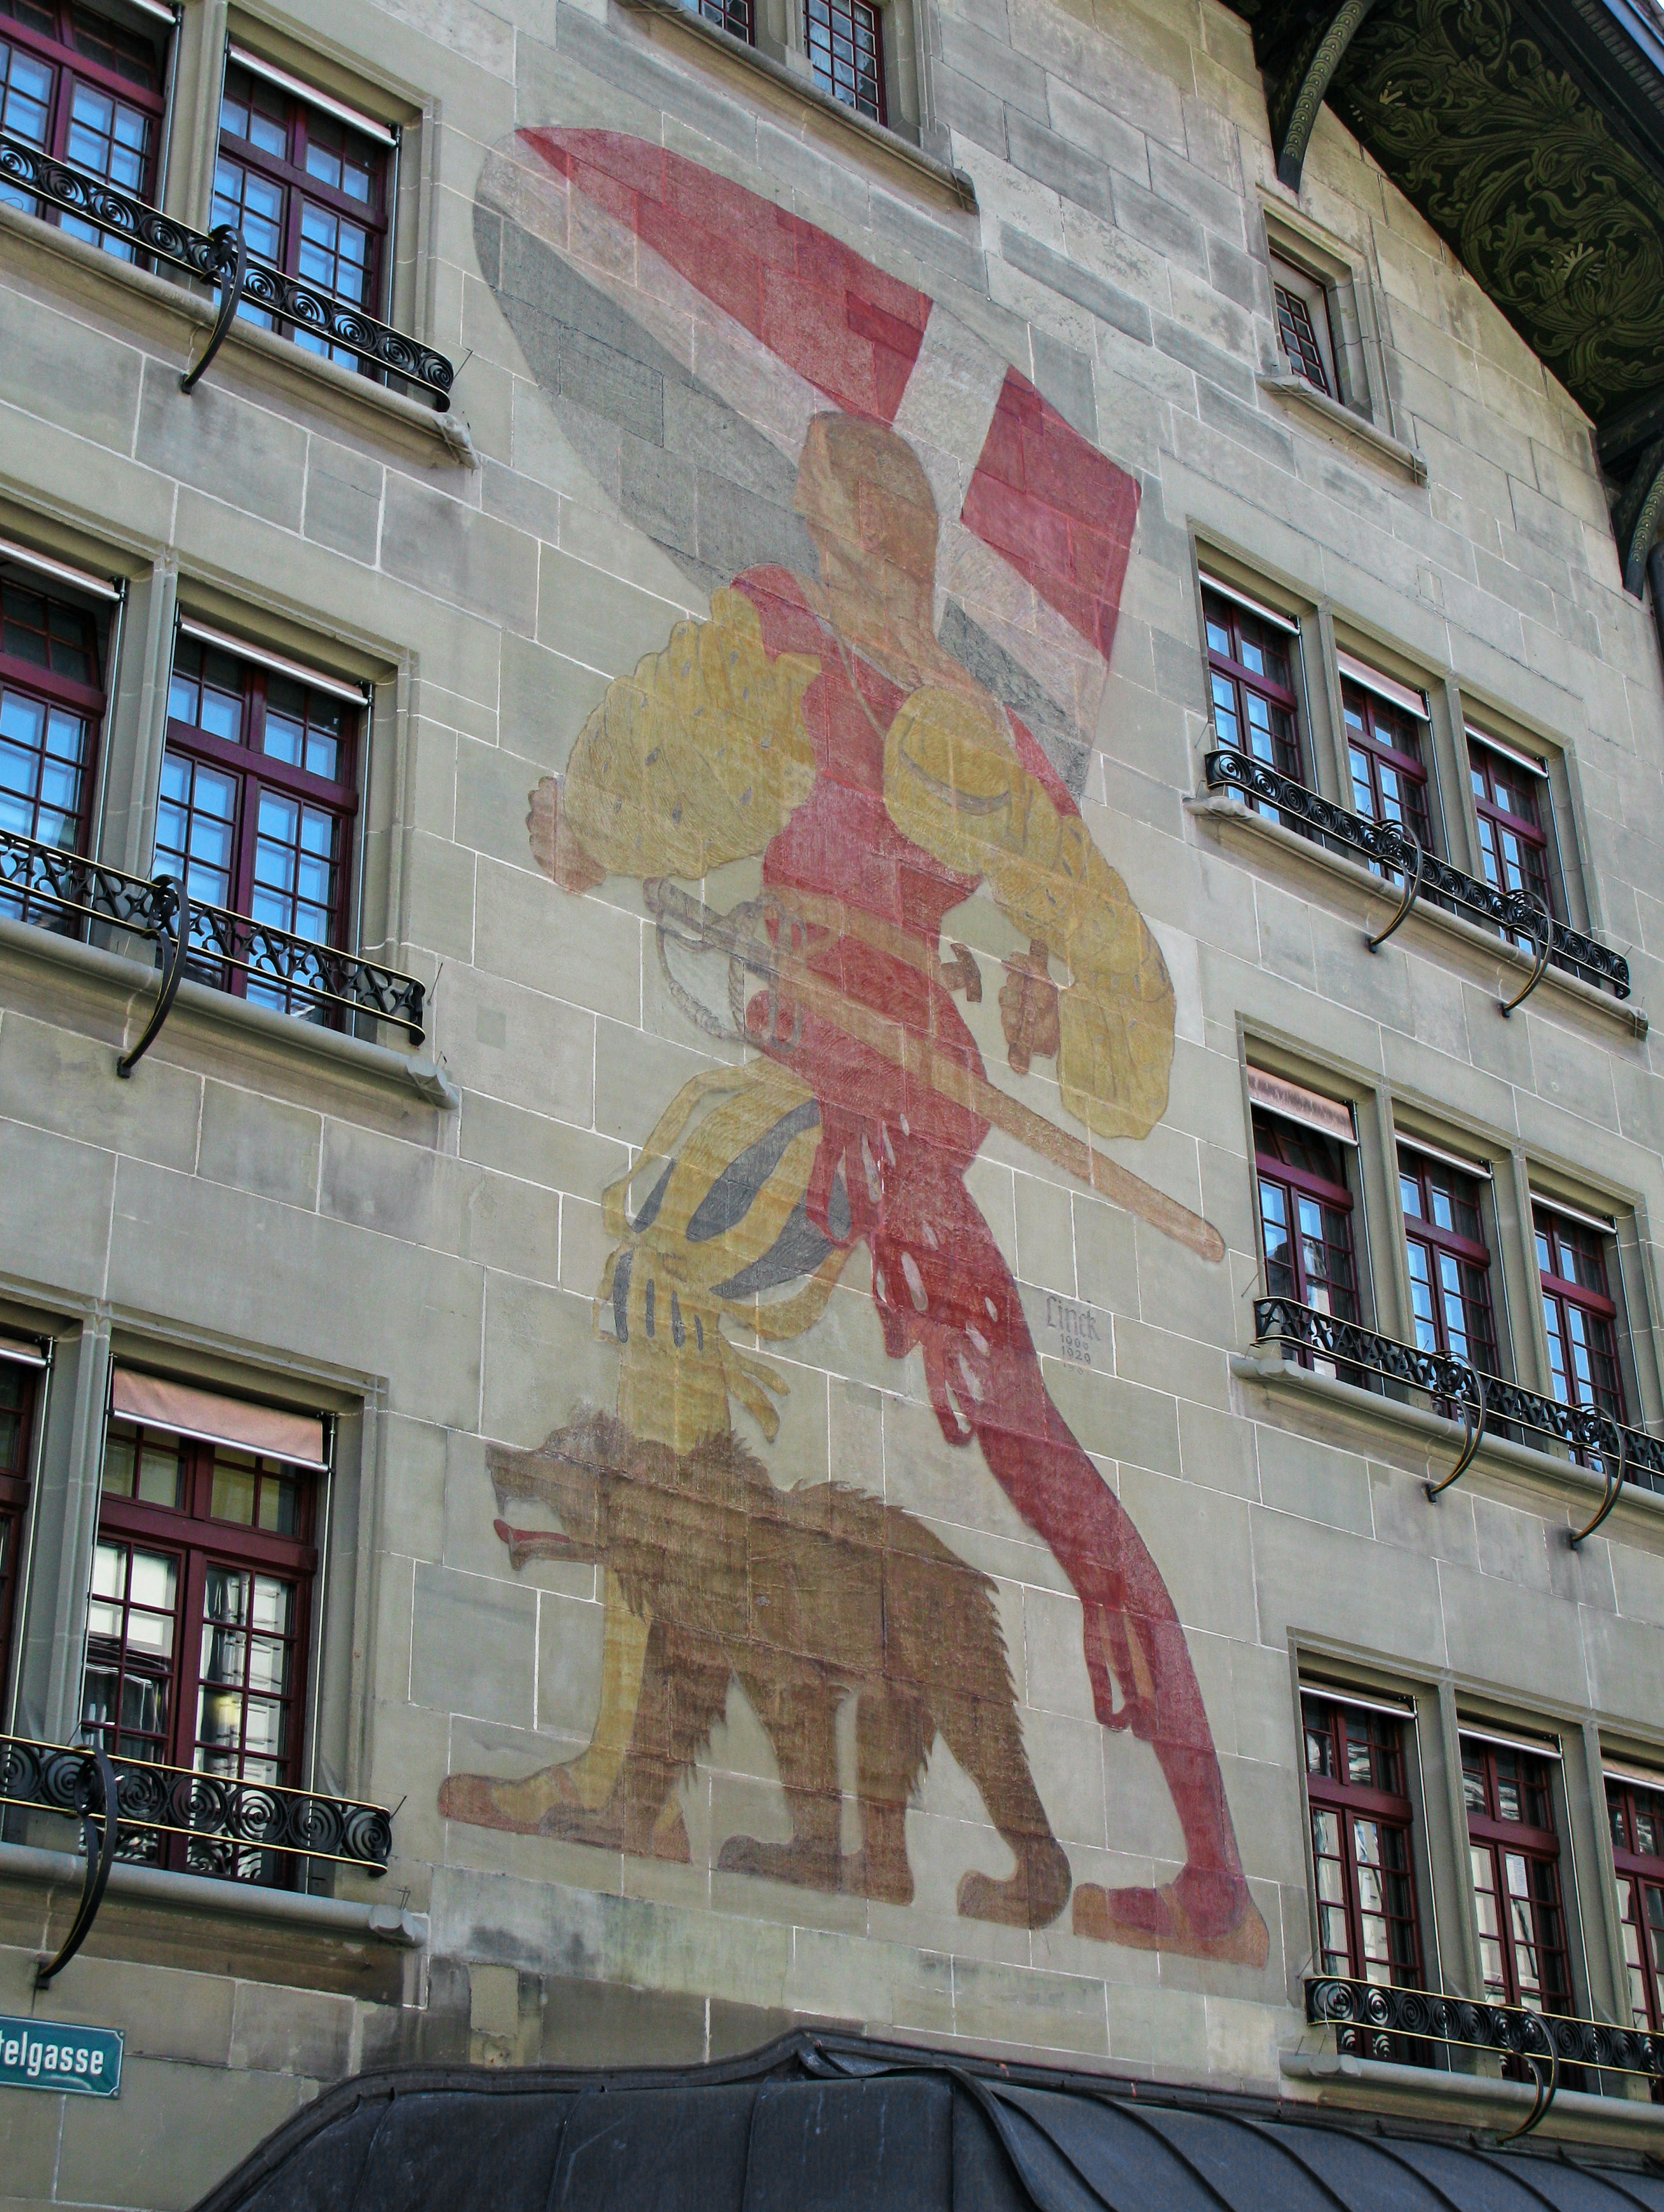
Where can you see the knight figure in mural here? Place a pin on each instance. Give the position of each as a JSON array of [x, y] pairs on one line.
[[821, 726]]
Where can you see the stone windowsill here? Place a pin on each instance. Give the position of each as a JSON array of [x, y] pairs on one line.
[[1472, 2100], [138, 981], [1571, 992], [808, 94], [1348, 423], [175, 297], [339, 1916], [1266, 1366]]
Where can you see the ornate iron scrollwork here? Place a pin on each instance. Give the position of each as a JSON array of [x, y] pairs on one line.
[[1414, 861], [1627, 1455], [1381, 845], [94, 1792], [291, 971], [231, 267], [1365, 2016], [223, 261], [1299, 95], [247, 1818]]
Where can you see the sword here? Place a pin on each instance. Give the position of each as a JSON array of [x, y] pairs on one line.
[[701, 928]]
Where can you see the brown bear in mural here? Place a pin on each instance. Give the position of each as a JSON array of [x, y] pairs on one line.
[[804, 1597]]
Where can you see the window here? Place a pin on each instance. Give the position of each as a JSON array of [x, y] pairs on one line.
[[309, 194], [196, 1630], [1360, 1829], [1305, 1218], [1511, 802], [1449, 1259], [52, 708], [17, 1396], [1580, 1315], [1384, 752], [1515, 1854], [1303, 318], [730, 15], [257, 799], [87, 89], [1637, 1849], [847, 52], [1250, 660]]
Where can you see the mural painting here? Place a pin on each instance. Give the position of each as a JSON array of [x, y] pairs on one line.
[[888, 708]]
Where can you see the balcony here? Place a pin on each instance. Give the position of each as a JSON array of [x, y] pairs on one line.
[[62, 892], [1420, 875], [1371, 2020], [223, 261], [1458, 1392], [232, 1830]]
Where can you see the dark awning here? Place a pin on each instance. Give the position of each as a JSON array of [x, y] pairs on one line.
[[829, 2124]]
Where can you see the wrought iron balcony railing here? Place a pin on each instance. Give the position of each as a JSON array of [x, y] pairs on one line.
[[1619, 1454], [40, 883], [229, 1824], [223, 260], [1422, 875], [1370, 2022], [230, 1829]]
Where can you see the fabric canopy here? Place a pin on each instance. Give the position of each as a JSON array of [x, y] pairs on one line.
[[160, 1404], [829, 2124]]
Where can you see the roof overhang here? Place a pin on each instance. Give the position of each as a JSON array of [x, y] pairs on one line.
[[1530, 134]]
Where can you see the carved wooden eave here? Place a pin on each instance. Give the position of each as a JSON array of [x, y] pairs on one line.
[[1530, 133]]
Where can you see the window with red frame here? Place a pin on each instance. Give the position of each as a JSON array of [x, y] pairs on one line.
[[17, 1399], [309, 194], [732, 16], [1384, 748], [1250, 664], [1638, 1850], [197, 1626], [258, 801], [88, 89], [1514, 1852], [51, 710], [1449, 1259], [847, 52], [1579, 1313], [1360, 1844], [1305, 1218], [1511, 803]]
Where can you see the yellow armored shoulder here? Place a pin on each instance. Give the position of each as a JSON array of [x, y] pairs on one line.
[[698, 755], [953, 784]]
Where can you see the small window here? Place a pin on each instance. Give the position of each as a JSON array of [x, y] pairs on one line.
[[88, 89], [257, 803], [1384, 747], [847, 52], [1637, 1851], [1250, 660], [1361, 1831], [1579, 1312], [1302, 317], [197, 1626], [734, 16], [1514, 1852], [1449, 1259], [18, 1408], [51, 710], [309, 194], [1305, 1218]]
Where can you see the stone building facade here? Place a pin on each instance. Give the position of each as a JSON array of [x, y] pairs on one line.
[[859, 772]]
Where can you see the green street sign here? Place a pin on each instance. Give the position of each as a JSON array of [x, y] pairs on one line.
[[46, 2054]]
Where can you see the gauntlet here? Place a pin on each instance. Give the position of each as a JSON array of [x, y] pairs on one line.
[[954, 784], [698, 756]]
